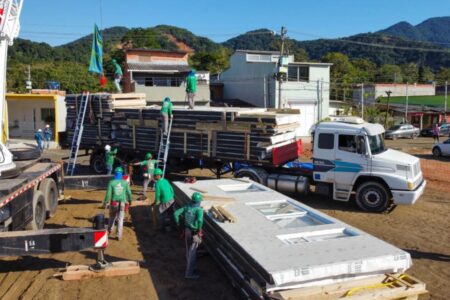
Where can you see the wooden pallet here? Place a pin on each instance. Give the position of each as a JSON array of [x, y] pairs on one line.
[[387, 287], [81, 272]]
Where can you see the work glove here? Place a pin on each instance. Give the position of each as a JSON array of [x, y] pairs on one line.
[[105, 206]]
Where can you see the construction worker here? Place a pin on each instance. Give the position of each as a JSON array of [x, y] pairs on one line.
[[38, 138], [164, 199], [110, 156], [193, 222], [166, 113], [148, 170], [47, 136], [117, 75], [191, 88], [119, 194]]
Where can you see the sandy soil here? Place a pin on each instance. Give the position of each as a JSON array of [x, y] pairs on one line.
[[423, 230]]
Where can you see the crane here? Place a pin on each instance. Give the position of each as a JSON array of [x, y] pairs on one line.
[[9, 29]]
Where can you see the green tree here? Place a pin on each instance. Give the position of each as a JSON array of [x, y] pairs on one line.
[[343, 74], [410, 73], [389, 74], [425, 74], [300, 54], [442, 76], [365, 69], [215, 62]]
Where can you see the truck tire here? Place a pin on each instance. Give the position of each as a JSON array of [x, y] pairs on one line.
[[256, 174], [373, 196], [98, 164], [38, 211], [25, 153], [50, 190]]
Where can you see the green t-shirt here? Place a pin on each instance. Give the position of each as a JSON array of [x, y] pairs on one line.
[[163, 191], [117, 69], [110, 156], [148, 166], [166, 108], [191, 84], [118, 190], [193, 217]]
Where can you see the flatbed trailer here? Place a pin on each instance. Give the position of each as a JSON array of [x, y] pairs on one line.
[[28, 199]]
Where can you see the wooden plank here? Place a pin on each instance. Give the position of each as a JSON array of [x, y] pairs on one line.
[[119, 268], [368, 288], [228, 216], [209, 126]]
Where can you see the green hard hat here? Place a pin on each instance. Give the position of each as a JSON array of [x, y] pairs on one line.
[[167, 99], [158, 171], [148, 156], [197, 197], [118, 170]]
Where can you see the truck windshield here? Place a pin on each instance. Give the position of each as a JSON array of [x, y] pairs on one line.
[[376, 143]]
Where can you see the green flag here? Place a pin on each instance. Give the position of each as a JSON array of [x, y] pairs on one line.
[[96, 65]]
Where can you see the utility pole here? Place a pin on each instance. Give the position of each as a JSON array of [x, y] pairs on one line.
[[387, 110], [445, 103], [28, 84], [280, 65], [362, 101], [407, 102]]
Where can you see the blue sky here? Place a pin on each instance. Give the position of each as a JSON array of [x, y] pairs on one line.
[[60, 21]]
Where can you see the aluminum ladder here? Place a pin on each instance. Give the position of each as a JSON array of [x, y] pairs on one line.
[[163, 151], [77, 133]]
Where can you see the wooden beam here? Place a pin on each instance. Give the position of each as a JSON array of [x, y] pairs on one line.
[[119, 268]]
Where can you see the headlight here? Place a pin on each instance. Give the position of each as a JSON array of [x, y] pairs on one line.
[[410, 185]]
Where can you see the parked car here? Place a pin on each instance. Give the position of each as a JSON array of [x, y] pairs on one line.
[[445, 130], [402, 131], [442, 148]]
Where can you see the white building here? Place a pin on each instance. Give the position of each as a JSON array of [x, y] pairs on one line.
[[250, 78], [373, 91]]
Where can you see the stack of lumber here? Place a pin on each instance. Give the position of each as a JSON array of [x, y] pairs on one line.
[[225, 133], [222, 133], [98, 128], [276, 244]]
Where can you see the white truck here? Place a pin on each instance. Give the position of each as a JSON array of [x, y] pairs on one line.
[[349, 157]]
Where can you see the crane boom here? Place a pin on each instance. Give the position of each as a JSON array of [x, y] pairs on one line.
[[9, 29]]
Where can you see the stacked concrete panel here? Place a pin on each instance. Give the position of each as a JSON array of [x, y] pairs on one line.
[[278, 243]]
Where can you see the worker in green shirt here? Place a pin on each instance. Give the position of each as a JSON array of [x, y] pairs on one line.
[[166, 113], [191, 88], [110, 157], [148, 170], [193, 223], [117, 75], [164, 199], [119, 194]]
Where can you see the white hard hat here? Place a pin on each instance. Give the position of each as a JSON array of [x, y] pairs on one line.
[[47, 126], [39, 130], [107, 148]]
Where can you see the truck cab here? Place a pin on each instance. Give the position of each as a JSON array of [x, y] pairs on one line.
[[349, 156]]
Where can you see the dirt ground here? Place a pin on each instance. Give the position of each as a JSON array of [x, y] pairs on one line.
[[422, 229]]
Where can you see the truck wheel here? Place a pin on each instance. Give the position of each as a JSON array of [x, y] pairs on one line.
[[98, 164], [256, 174], [373, 196], [38, 211], [437, 152], [49, 189]]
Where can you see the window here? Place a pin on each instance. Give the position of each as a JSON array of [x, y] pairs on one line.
[[287, 215], [351, 143], [326, 141], [347, 143], [298, 73], [376, 143], [48, 115]]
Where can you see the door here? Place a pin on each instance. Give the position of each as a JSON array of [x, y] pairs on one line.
[[350, 160], [308, 117], [445, 147]]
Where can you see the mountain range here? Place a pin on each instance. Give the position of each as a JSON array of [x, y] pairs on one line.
[[388, 46]]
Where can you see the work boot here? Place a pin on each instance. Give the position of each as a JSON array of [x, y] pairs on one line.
[[192, 276]]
